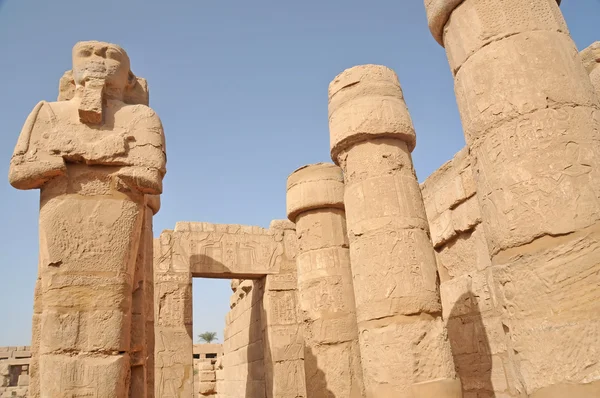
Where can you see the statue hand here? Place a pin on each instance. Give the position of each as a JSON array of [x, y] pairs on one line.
[[143, 179], [25, 173]]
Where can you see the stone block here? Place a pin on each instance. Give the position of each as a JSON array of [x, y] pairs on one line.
[[442, 229], [23, 380], [466, 254], [410, 353], [207, 388], [450, 194], [204, 376]]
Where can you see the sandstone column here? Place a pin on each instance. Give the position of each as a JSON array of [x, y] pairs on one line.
[[315, 202], [531, 120], [93, 177], [403, 343], [591, 62]]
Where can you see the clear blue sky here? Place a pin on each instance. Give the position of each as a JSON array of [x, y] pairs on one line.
[[241, 88]]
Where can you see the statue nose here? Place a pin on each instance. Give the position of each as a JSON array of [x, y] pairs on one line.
[[100, 51]]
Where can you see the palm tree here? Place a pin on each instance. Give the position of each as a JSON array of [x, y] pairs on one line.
[[208, 337]]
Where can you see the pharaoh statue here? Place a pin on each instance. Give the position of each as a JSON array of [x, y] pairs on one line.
[[98, 157]]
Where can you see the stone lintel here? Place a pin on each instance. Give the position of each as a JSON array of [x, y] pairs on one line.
[[223, 250]]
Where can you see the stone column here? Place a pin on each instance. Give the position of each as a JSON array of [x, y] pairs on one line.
[[403, 342], [591, 62], [315, 202], [531, 119]]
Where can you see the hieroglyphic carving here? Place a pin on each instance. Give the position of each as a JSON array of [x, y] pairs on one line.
[[213, 250], [283, 310], [224, 252]]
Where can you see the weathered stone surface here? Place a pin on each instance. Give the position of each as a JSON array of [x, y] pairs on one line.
[[392, 258], [93, 183], [315, 200]]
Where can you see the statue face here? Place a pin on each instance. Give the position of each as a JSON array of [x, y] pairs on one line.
[[98, 60]]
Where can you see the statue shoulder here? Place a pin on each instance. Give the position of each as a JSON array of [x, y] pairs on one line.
[[146, 150], [31, 165], [41, 114], [146, 127], [144, 117]]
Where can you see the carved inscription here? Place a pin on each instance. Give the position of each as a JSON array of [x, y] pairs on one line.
[[217, 253]]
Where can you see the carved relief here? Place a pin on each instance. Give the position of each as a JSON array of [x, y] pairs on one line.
[[234, 253]]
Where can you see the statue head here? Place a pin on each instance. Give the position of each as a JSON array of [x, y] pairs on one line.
[[103, 61], [100, 71]]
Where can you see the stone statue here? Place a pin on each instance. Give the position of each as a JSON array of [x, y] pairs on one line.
[[98, 157]]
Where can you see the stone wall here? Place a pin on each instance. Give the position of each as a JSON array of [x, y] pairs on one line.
[[208, 352], [14, 371], [243, 359], [470, 309], [206, 357]]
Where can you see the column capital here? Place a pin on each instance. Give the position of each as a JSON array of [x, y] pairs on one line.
[[366, 102], [438, 14], [314, 186]]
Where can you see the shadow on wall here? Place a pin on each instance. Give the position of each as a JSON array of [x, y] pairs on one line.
[[212, 268], [470, 347], [256, 378], [316, 384]]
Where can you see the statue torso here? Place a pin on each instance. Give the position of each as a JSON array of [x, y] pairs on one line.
[[105, 144], [93, 154]]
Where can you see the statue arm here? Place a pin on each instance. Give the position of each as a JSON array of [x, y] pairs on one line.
[[146, 155], [31, 165]]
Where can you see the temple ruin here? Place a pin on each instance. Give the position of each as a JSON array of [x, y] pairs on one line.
[[483, 281]]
